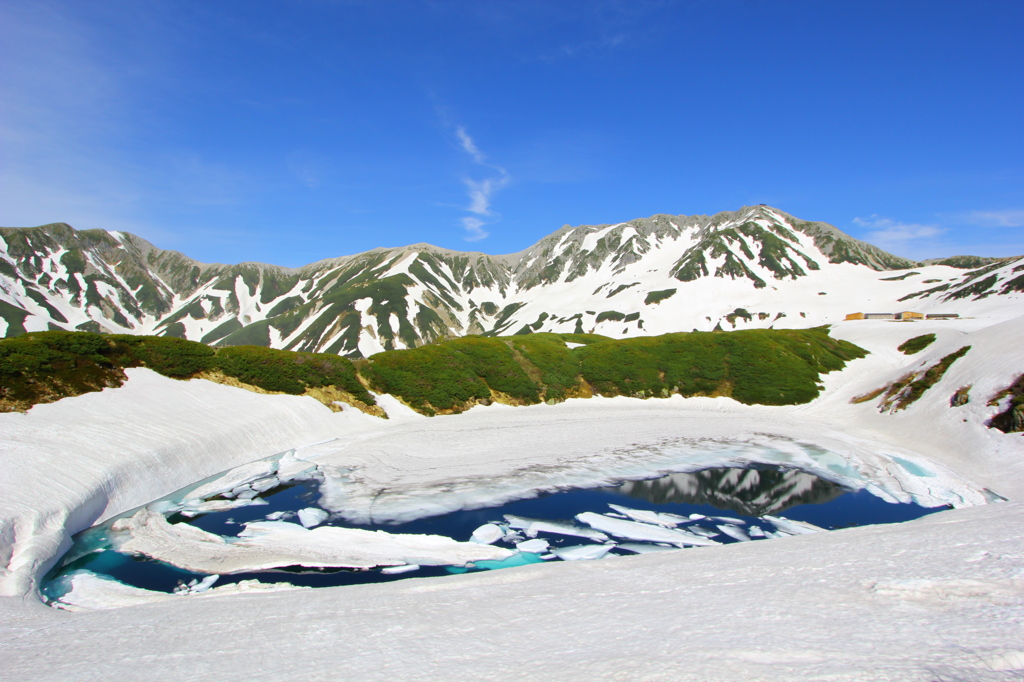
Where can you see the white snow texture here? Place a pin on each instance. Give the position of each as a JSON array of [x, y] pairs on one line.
[[937, 598]]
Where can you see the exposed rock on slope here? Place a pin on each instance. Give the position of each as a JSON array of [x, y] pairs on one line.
[[757, 259]]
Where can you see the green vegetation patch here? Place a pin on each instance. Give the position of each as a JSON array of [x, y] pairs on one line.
[[905, 392], [763, 366], [452, 375], [41, 367], [1010, 420], [655, 297], [290, 372], [610, 315], [916, 344]]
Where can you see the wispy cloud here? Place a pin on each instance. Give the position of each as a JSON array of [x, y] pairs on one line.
[[468, 145], [1013, 217], [481, 192], [888, 232]]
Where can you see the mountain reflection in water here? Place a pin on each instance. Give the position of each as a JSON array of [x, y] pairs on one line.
[[751, 492]]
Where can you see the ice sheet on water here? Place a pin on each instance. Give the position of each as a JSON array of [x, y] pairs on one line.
[[791, 527], [276, 544], [644, 548], [533, 526], [582, 552], [633, 530], [734, 532], [235, 478], [395, 570], [537, 545], [646, 516], [194, 507]]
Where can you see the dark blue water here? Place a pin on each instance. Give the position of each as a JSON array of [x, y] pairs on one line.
[[714, 492]]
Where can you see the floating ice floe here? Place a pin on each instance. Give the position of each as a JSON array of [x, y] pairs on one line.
[[194, 507], [395, 570], [756, 532], [646, 516], [734, 532], [791, 527], [581, 552], [643, 548], [536, 545], [533, 526], [487, 534], [642, 531], [311, 516], [276, 544], [701, 530], [197, 586]]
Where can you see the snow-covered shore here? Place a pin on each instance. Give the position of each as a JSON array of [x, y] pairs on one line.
[[940, 597]]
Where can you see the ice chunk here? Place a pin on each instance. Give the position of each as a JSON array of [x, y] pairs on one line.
[[312, 516], [394, 570], [645, 516], [581, 552], [792, 527], [235, 478], [265, 484], [279, 515], [533, 526], [536, 545], [643, 548], [756, 532], [487, 534], [734, 532], [274, 544], [195, 507], [701, 530], [291, 468], [729, 519], [202, 585], [642, 531], [697, 517]]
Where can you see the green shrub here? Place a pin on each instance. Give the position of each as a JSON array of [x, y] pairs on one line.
[[444, 376], [290, 372], [167, 355], [916, 344]]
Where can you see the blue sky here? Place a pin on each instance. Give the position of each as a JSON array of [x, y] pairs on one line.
[[289, 131]]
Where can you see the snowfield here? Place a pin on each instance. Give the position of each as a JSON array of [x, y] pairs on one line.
[[937, 598]]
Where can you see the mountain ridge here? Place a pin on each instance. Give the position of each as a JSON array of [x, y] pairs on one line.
[[757, 266]]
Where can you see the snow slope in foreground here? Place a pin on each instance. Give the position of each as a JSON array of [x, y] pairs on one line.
[[937, 598]]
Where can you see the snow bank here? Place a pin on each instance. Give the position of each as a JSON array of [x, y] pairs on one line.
[[67, 465]]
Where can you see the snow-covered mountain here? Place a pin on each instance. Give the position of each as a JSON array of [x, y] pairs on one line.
[[756, 267]]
